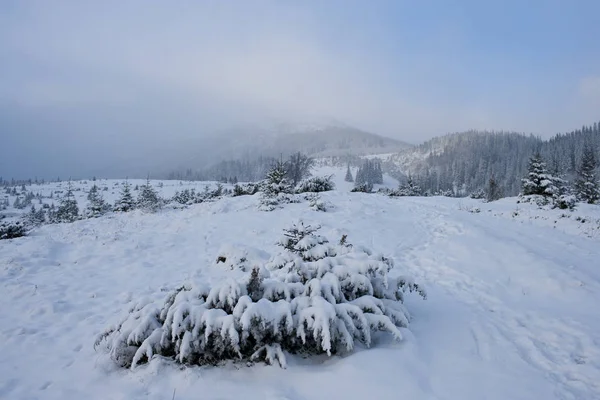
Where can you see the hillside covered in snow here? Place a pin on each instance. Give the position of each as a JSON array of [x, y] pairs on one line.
[[510, 309]]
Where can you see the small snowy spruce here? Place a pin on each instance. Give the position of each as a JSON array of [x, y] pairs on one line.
[[410, 188], [314, 297], [125, 202], [35, 217], [96, 206], [348, 177], [148, 199], [67, 210], [276, 181], [586, 186], [276, 189], [538, 180]]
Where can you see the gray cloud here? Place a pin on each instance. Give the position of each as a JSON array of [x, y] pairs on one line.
[[109, 83]]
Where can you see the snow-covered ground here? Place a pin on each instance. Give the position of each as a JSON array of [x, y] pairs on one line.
[[511, 310]]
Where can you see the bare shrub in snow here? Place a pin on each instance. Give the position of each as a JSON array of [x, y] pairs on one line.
[[314, 297]]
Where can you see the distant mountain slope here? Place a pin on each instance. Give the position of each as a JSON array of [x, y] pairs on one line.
[[464, 162], [248, 144]]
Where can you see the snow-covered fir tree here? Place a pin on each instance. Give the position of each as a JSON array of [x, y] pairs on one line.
[[36, 217], [370, 173], [276, 181], [538, 180], [348, 177], [96, 206], [587, 188], [148, 199], [67, 210], [313, 298], [125, 202], [410, 188]]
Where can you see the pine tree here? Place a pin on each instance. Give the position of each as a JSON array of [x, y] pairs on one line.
[[538, 180], [411, 188], [36, 217], [586, 186], [148, 199], [349, 177], [493, 192], [276, 181], [125, 203], [67, 211], [96, 205]]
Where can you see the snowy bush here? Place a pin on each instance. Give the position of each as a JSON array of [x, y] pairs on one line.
[[12, 230], [247, 189], [316, 203], [270, 202], [408, 189], [478, 194], [362, 188], [185, 197], [316, 184], [237, 257], [313, 298], [565, 201]]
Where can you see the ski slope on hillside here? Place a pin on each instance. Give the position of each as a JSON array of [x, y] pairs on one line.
[[511, 310]]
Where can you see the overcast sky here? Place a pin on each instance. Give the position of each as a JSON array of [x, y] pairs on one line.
[[114, 76]]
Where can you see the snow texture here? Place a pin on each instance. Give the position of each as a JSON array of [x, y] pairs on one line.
[[511, 311]]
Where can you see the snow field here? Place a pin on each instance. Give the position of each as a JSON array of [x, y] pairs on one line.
[[511, 310]]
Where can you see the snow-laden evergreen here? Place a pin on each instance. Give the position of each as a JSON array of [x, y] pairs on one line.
[[348, 177], [276, 181], [587, 186], [410, 188], [369, 173], [126, 201], [67, 210], [316, 184], [538, 180], [12, 229], [35, 217], [148, 199], [96, 206], [313, 298]]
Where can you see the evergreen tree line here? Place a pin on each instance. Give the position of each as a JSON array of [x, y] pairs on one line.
[[464, 163]]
